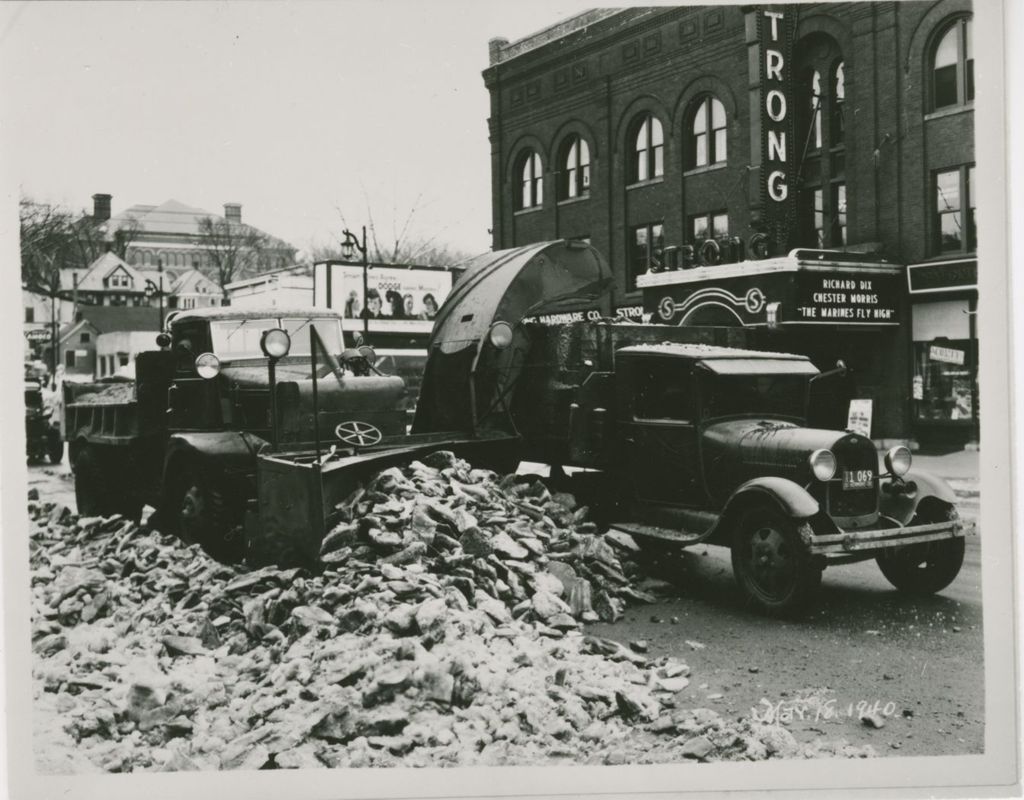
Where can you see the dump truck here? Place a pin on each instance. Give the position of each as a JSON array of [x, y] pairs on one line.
[[215, 391], [682, 436]]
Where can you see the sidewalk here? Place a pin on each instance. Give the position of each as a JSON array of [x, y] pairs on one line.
[[959, 465]]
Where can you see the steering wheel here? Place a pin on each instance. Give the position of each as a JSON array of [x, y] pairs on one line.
[[358, 434]]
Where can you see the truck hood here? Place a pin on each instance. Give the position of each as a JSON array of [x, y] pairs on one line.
[[252, 375], [735, 451], [379, 400]]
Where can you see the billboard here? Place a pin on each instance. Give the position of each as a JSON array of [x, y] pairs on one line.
[[399, 299]]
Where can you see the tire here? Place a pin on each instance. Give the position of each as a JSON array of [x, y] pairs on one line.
[[92, 485], [771, 564], [924, 569], [208, 513]]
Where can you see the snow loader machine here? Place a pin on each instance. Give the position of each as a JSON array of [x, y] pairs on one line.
[[675, 435]]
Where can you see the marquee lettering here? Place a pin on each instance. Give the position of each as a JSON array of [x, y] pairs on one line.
[[777, 188], [774, 88]]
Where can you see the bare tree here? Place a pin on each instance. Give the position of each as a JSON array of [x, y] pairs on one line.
[[402, 244], [236, 250], [54, 238]]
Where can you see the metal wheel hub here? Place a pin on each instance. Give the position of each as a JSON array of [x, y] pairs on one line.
[[772, 563], [192, 505]]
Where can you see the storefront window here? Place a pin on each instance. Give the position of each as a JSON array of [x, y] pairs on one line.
[[944, 380]]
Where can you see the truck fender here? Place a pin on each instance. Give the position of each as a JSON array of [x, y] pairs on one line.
[[790, 498], [234, 451], [903, 506]]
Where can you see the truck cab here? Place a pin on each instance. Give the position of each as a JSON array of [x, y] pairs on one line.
[[711, 445]]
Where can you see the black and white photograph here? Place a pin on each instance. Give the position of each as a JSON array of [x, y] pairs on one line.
[[471, 400]]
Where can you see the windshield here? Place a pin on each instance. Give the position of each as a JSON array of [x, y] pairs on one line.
[[754, 395], [329, 330], [240, 338]]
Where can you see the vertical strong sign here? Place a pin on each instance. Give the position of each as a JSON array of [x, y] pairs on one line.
[[775, 36]]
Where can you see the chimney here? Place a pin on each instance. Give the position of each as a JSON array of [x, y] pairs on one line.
[[494, 49], [233, 212], [101, 207]]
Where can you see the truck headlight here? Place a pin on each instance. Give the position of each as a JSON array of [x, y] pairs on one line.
[[898, 460], [823, 464], [275, 343], [500, 335], [208, 366]]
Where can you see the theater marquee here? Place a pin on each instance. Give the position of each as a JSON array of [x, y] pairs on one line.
[[799, 289]]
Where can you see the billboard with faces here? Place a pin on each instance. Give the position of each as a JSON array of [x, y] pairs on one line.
[[397, 299]]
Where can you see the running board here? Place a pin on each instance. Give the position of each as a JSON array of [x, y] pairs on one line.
[[654, 532]]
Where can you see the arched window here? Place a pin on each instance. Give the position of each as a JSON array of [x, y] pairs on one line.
[[574, 178], [822, 194], [953, 66], [815, 110], [837, 130], [531, 181], [707, 133], [648, 149]]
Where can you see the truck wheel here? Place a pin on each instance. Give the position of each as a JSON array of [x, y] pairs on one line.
[[92, 486], [924, 569], [207, 516], [771, 564]]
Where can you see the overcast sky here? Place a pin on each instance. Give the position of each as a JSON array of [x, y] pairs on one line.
[[294, 110]]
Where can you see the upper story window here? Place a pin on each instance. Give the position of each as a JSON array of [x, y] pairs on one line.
[[955, 220], [706, 140], [814, 134], [531, 181], [574, 178], [648, 149], [837, 109], [953, 67]]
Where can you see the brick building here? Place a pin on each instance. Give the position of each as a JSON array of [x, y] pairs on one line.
[[803, 170]]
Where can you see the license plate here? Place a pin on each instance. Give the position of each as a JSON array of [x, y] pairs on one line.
[[858, 479]]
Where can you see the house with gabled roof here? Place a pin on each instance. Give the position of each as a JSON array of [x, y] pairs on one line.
[[112, 281], [104, 340]]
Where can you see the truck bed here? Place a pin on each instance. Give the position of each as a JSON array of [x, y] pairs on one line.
[[101, 412]]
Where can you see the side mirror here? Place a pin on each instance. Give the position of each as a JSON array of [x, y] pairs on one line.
[[841, 367], [163, 340]]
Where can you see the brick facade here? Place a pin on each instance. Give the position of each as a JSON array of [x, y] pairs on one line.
[[591, 76]]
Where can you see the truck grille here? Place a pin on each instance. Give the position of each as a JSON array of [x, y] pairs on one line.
[[858, 464]]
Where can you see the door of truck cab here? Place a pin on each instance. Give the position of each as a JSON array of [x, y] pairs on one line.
[[657, 426]]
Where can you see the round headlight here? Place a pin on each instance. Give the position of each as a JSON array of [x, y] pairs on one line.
[[823, 464], [501, 335], [208, 366], [275, 343], [897, 460]]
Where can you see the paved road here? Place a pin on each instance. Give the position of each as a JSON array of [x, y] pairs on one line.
[[863, 644]]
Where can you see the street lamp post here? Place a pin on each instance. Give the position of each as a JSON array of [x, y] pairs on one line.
[[348, 247], [153, 289]]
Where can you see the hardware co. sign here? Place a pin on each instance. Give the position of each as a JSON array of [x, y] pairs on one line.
[[775, 36]]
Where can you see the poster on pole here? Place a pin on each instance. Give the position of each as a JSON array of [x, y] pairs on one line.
[[398, 299]]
